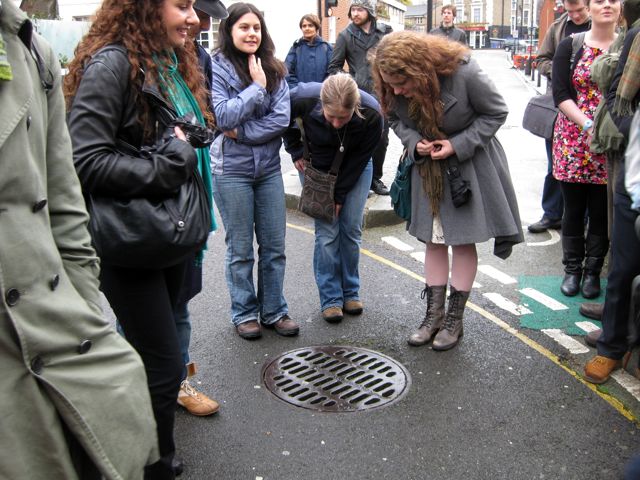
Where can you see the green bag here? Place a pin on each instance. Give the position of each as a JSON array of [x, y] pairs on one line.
[[400, 190]]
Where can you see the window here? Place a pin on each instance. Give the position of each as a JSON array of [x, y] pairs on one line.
[[477, 14]]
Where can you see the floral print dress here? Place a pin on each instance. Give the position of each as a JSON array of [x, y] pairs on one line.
[[573, 161]]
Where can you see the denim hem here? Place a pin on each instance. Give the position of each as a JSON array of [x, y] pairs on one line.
[[243, 320], [357, 299], [277, 317]]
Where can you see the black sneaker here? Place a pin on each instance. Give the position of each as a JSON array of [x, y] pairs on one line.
[[379, 188], [545, 224]]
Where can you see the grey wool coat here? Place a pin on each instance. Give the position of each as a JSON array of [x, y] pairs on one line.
[[60, 359], [473, 113]]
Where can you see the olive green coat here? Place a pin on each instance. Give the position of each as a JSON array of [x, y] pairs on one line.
[[59, 358]]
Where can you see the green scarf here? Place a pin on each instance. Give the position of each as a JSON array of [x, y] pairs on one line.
[[629, 82], [5, 68], [176, 90]]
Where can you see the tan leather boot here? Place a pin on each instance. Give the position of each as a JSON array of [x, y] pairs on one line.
[[433, 318], [451, 331]]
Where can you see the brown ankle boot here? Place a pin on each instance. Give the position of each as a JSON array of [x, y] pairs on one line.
[[452, 330], [434, 317]]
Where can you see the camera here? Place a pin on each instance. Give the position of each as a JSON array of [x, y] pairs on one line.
[[198, 136], [460, 191]]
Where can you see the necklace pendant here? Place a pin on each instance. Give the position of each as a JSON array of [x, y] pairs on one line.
[[341, 149]]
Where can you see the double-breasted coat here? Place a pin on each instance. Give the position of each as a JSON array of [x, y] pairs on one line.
[[59, 358], [474, 110]]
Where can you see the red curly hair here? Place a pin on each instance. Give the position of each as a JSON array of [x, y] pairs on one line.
[[138, 26], [422, 58]]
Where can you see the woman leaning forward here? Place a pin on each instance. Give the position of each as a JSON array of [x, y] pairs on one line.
[[446, 111]]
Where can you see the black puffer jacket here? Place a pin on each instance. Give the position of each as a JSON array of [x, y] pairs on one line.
[[109, 151]]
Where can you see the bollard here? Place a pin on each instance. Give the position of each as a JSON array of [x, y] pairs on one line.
[[527, 66], [539, 79], [533, 71]]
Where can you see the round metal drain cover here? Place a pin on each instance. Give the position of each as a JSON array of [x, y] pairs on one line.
[[336, 378]]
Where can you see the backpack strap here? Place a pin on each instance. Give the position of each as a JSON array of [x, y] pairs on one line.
[[577, 40]]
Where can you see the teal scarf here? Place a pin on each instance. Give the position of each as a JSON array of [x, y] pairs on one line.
[[176, 90], [5, 68]]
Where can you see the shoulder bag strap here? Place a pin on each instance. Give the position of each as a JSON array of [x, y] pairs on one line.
[[305, 144], [337, 161]]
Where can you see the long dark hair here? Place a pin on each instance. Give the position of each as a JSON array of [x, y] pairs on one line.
[[274, 69], [136, 24]]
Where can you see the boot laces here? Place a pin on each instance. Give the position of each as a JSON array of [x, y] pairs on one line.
[[188, 389], [428, 316], [450, 318]]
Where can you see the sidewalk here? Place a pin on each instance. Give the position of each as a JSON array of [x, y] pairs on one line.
[[377, 211]]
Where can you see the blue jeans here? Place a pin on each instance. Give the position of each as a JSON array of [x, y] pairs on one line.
[[246, 204], [552, 202], [337, 248]]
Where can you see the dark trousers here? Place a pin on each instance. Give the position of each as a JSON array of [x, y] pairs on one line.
[[380, 152], [625, 265], [580, 198], [552, 203], [143, 301], [84, 466]]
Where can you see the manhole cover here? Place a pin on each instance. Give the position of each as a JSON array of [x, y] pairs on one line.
[[336, 379]]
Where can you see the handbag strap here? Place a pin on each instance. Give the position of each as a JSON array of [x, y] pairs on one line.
[[337, 161]]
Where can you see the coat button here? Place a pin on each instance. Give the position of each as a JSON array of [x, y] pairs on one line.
[[36, 365], [12, 296], [28, 122], [39, 205], [84, 346], [53, 283]]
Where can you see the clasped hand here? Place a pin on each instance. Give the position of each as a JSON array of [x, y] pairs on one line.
[[438, 149]]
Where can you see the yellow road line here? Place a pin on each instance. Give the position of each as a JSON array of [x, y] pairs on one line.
[[614, 402]]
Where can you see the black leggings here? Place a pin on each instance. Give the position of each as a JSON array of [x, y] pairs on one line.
[[578, 199], [143, 301]]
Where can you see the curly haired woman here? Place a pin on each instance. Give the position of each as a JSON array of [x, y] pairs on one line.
[[135, 65], [446, 112]]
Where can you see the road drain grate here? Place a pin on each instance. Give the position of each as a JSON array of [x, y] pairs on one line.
[[336, 378]]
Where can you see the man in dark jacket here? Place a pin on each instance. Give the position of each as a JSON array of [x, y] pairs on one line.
[[574, 20], [353, 45], [447, 29]]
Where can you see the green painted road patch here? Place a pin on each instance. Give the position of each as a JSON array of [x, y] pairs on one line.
[[543, 317]]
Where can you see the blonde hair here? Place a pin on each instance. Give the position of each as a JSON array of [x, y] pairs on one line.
[[341, 90]]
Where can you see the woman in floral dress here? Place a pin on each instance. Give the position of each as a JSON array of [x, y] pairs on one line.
[[582, 174]]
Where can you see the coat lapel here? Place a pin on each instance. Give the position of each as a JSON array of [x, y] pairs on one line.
[[15, 101]]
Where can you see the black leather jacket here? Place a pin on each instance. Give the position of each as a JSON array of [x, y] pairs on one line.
[[109, 150]]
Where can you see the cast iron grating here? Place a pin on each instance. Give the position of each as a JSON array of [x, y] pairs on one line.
[[336, 378]]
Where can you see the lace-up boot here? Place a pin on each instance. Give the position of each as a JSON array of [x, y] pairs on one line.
[[451, 330], [433, 318]]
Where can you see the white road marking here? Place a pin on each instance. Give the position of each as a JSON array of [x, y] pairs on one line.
[[565, 340], [587, 326], [419, 256], [397, 243], [555, 238], [496, 274], [629, 382], [506, 304], [540, 297]]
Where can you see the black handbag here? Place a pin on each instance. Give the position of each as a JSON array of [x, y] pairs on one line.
[[400, 190], [540, 116], [318, 189], [145, 232]]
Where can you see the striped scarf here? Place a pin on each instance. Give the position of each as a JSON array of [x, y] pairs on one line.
[[177, 92], [5, 68], [629, 82]]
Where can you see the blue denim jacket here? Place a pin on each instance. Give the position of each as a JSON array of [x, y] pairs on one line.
[[259, 117], [308, 62]]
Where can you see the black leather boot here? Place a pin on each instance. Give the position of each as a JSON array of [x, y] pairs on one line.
[[596, 248], [572, 256]]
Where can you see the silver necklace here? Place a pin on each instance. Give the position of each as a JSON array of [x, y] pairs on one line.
[[343, 137]]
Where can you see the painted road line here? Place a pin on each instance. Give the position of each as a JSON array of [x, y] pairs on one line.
[[565, 340], [540, 297], [628, 382], [497, 274], [610, 399], [419, 256], [397, 243], [506, 304], [555, 238], [587, 326]]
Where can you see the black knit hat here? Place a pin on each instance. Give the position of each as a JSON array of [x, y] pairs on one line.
[[213, 8]]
